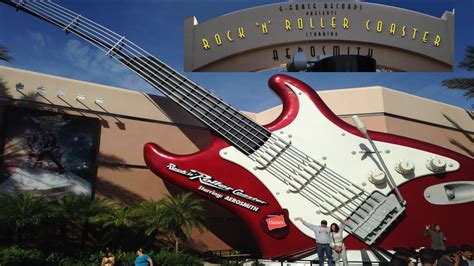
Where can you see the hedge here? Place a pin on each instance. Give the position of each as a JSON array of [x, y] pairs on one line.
[[14, 256]]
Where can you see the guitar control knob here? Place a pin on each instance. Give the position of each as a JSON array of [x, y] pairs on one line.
[[405, 167], [377, 177], [436, 164]]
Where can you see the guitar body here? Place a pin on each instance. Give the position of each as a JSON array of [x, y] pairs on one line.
[[222, 174]]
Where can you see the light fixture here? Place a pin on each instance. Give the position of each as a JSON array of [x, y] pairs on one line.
[[19, 86], [41, 91], [80, 97], [99, 100], [61, 93]]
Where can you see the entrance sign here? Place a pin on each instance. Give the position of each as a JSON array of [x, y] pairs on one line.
[[268, 36]]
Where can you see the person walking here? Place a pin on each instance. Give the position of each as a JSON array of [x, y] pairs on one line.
[[143, 259], [108, 259], [437, 238], [321, 234], [337, 242]]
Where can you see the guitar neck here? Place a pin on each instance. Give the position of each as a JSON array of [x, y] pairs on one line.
[[223, 119]]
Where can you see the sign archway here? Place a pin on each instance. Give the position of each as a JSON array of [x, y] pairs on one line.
[[266, 37]]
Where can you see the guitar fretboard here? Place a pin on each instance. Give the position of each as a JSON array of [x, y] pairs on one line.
[[220, 117]]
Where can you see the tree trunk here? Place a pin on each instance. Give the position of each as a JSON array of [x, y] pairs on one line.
[[63, 230], [120, 236], [84, 234], [16, 234], [176, 244]]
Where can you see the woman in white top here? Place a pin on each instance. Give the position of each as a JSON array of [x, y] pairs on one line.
[[337, 243]]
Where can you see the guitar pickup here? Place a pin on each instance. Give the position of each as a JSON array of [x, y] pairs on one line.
[[374, 216]]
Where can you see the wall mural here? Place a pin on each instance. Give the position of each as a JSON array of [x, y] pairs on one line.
[[48, 153]]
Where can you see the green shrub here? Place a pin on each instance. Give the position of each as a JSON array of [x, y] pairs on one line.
[[78, 260], [18, 256], [123, 258], [55, 259], [14, 256], [173, 258]]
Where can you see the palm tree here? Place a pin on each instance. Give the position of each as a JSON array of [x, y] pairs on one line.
[[146, 213], [21, 210], [71, 213], [5, 57], [177, 215], [116, 221], [66, 212], [4, 54], [466, 84]]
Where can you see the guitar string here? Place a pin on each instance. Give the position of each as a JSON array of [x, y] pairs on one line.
[[310, 197], [326, 190], [169, 85], [129, 41], [283, 173], [334, 181], [170, 80], [221, 126], [290, 158], [106, 32], [276, 171]]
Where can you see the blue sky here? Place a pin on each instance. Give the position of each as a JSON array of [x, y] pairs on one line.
[[157, 26]]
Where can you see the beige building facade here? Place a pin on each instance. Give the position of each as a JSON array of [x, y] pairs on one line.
[[129, 119]]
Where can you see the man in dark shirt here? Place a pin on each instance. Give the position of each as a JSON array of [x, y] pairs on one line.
[[466, 255], [450, 257], [427, 256]]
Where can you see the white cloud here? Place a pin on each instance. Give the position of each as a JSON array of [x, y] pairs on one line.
[[38, 40], [99, 68]]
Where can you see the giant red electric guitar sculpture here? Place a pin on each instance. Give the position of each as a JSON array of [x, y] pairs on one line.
[[308, 162]]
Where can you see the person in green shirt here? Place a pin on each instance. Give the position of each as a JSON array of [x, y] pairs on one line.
[[337, 242]]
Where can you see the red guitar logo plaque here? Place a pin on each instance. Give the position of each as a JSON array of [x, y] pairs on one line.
[[275, 222]]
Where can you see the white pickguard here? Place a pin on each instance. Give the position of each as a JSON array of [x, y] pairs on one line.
[[315, 135]]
